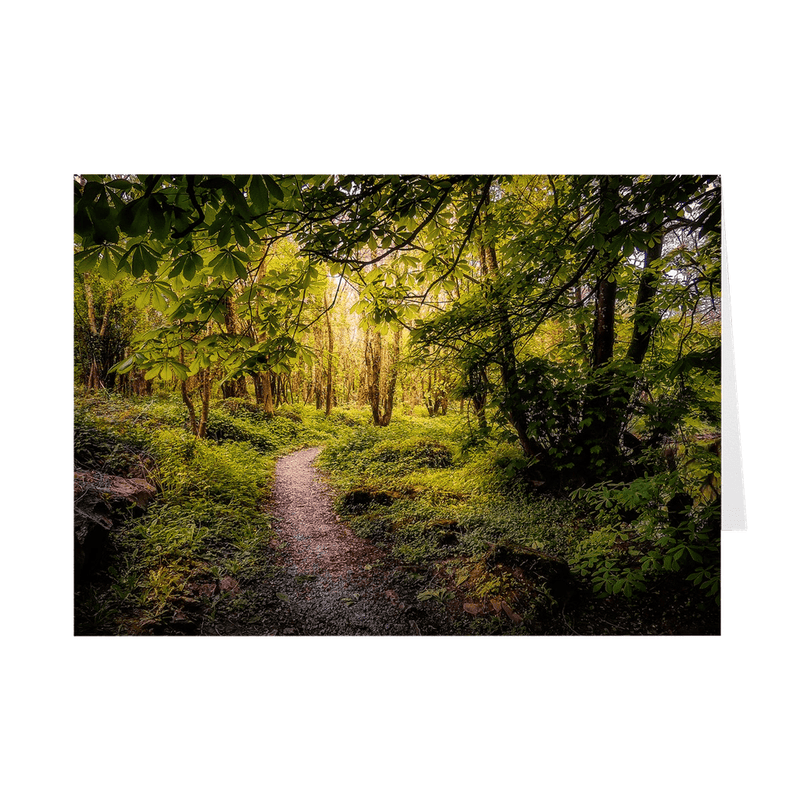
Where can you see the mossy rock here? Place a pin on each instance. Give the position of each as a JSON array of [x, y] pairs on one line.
[[362, 498]]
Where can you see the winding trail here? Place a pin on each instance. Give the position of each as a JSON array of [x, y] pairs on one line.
[[333, 584]]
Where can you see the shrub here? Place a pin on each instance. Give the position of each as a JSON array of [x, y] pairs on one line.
[[649, 528], [266, 435]]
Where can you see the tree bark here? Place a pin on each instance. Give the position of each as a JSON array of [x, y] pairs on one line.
[[644, 317], [93, 379], [381, 402], [329, 377], [319, 366], [266, 387], [205, 394], [605, 307], [372, 359]]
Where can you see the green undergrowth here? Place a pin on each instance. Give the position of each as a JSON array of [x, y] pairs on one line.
[[448, 499], [207, 535], [433, 495], [441, 501]]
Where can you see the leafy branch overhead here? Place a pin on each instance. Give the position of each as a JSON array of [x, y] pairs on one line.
[[563, 301]]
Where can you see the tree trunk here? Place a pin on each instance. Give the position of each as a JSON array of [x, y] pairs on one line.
[[329, 377], [187, 400], [319, 366], [605, 306], [392, 381], [205, 393], [597, 445], [381, 402], [645, 318], [372, 359], [266, 385], [514, 404]]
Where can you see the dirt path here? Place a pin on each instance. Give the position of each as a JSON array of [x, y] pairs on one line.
[[332, 582]]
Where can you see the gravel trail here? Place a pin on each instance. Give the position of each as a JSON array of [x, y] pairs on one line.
[[332, 583]]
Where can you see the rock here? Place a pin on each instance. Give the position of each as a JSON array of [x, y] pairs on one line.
[[553, 573], [101, 500], [117, 492]]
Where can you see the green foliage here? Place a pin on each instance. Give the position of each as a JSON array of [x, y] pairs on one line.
[[450, 499], [100, 446], [654, 526], [442, 595], [191, 467], [208, 520], [265, 435]]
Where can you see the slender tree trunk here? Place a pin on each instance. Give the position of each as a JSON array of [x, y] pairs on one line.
[[381, 402], [605, 306], [87, 290], [329, 381], [319, 366], [391, 382], [266, 384], [645, 318], [187, 400], [372, 359], [205, 389]]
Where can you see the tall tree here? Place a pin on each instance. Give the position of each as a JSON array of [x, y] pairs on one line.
[[512, 277]]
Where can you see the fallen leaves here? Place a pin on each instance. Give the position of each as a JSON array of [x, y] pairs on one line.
[[498, 606]]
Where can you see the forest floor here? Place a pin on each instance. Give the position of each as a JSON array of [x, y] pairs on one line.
[[244, 535], [332, 582]]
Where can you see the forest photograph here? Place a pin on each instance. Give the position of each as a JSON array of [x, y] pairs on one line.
[[397, 405]]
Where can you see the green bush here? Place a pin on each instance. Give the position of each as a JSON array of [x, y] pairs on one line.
[[267, 435], [650, 528]]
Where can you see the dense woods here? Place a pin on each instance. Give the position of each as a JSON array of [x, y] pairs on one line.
[[527, 367]]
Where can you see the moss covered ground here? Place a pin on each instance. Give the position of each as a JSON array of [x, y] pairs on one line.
[[452, 511]]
